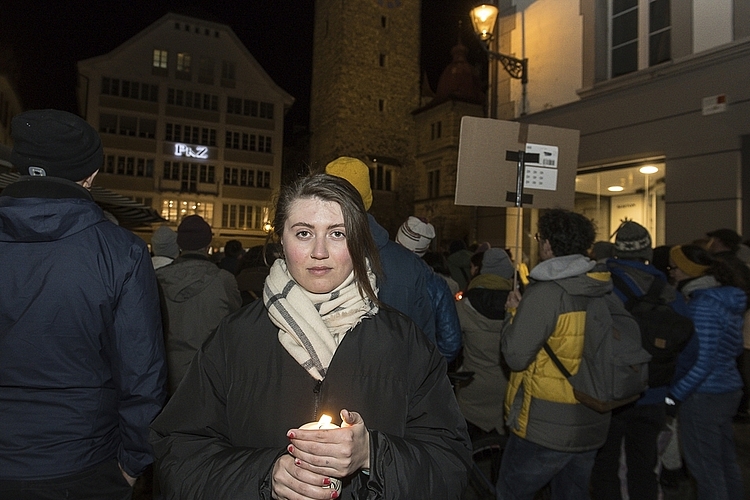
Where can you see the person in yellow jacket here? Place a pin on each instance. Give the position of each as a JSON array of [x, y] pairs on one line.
[[553, 438]]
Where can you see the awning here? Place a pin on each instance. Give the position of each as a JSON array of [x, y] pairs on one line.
[[129, 213]]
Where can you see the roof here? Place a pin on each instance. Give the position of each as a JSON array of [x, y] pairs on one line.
[[129, 214]]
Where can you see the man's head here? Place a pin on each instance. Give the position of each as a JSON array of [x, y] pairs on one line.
[[723, 240], [416, 234], [233, 248], [193, 234], [562, 232], [354, 171], [496, 261], [632, 241], [53, 143]]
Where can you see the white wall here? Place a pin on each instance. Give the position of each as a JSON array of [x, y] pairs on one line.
[[712, 24]]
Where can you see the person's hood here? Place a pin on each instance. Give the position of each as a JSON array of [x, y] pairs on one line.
[[577, 274], [48, 210], [688, 286], [187, 277]]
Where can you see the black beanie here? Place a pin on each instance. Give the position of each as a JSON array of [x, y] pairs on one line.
[[193, 233], [49, 142]]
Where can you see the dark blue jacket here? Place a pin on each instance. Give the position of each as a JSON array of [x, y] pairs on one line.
[[404, 284], [448, 336], [82, 368]]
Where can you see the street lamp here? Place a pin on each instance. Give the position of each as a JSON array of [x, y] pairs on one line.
[[484, 19]]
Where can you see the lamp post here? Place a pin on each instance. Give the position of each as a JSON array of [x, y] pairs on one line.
[[484, 20]]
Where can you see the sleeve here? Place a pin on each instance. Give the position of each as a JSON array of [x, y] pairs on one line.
[[138, 362], [708, 321], [195, 456], [533, 323], [432, 459], [448, 328]]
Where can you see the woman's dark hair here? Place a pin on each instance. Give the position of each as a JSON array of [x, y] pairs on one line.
[[716, 267], [358, 237], [476, 260], [568, 233]]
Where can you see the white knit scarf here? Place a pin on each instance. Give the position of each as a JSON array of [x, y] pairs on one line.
[[311, 325]]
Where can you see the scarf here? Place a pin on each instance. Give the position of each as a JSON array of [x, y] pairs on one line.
[[312, 325]]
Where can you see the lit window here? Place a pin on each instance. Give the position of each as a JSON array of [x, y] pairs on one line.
[[183, 62], [160, 59]]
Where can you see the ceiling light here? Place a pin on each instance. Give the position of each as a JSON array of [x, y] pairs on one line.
[[615, 188], [648, 169]]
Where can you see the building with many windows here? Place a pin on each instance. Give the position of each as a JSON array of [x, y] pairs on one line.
[[191, 124]]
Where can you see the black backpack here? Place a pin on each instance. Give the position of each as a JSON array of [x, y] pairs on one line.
[[664, 332]]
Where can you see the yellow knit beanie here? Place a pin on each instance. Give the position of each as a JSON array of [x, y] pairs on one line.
[[354, 171], [692, 269]]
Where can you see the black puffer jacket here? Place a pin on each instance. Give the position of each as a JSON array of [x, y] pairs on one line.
[[222, 431]]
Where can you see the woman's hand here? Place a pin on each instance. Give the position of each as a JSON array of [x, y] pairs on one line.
[[334, 452], [291, 482]]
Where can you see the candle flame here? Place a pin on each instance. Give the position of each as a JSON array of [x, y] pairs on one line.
[[324, 419]]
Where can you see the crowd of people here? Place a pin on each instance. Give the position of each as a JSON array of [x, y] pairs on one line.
[[315, 366]]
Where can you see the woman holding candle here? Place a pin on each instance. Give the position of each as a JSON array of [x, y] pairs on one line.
[[319, 343]]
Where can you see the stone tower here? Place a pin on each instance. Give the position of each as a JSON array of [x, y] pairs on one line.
[[365, 86]]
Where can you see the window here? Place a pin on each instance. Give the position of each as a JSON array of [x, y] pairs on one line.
[[128, 165], [130, 89], [227, 70], [383, 22], [249, 107], [381, 105], [207, 174], [107, 123], [243, 216], [248, 142], [206, 70], [235, 176], [381, 177], [175, 210], [436, 130], [381, 60], [128, 126], [160, 59], [183, 62], [189, 99], [147, 128], [630, 48], [433, 183]]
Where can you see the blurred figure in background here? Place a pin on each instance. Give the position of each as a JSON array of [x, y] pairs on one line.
[[197, 295], [164, 246], [233, 253]]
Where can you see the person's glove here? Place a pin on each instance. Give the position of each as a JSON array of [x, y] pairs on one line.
[[671, 405]]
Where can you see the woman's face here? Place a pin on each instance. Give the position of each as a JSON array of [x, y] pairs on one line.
[[676, 273], [314, 242]]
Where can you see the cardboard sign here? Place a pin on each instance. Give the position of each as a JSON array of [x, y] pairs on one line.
[[485, 178]]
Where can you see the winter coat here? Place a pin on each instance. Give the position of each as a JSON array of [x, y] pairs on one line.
[[404, 284], [708, 363], [82, 369], [481, 312], [197, 295], [459, 263], [226, 425], [447, 325], [539, 404]]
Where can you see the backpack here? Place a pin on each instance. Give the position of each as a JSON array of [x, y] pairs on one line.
[[664, 332], [614, 365]]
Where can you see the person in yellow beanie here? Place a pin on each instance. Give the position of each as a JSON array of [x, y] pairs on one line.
[[406, 278]]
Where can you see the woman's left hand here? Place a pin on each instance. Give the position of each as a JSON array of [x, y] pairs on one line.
[[333, 452]]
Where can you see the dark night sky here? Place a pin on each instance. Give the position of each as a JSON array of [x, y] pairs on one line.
[[48, 38]]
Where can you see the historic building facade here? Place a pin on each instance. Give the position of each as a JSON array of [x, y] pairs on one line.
[[191, 124]]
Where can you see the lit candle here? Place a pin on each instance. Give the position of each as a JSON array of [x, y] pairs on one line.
[[325, 423]]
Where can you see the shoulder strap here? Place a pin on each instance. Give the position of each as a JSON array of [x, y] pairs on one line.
[[556, 360], [653, 292]]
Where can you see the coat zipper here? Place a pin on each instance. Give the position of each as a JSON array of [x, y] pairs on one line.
[[316, 391]]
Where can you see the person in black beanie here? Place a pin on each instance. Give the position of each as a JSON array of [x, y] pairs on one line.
[[197, 294], [82, 369]]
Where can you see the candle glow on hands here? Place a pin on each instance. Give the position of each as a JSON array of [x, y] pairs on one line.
[[324, 420]]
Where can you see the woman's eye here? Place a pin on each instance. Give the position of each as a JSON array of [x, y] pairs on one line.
[[338, 234], [303, 234]]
